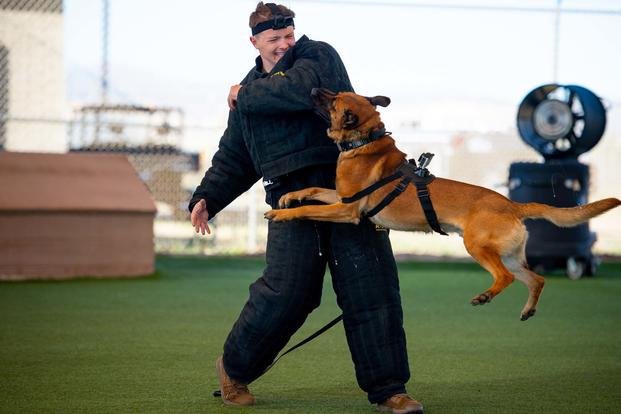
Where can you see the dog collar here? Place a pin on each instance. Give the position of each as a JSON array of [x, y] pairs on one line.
[[373, 136]]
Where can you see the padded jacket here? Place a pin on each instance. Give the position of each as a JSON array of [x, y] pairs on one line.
[[273, 132]]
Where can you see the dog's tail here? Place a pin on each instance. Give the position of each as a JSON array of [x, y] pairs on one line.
[[568, 216]]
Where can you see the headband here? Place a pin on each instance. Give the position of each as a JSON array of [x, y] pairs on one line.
[[278, 21]]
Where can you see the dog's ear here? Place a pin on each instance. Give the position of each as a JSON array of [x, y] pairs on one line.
[[316, 92], [351, 120], [379, 100]]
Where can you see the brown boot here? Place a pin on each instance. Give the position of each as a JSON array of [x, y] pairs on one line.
[[233, 392], [401, 404]]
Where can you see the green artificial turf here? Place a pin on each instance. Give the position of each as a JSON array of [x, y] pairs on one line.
[[149, 345]]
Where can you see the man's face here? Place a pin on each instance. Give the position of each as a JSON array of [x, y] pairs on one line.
[[272, 45]]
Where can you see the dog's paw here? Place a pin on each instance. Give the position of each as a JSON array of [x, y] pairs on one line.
[[481, 299], [528, 314], [286, 200], [277, 215], [270, 215]]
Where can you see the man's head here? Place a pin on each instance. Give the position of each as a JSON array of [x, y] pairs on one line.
[[272, 32]]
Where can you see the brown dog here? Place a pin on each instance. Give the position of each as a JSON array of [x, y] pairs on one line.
[[490, 224]]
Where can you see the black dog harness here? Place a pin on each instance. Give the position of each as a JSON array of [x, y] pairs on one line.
[[409, 173]]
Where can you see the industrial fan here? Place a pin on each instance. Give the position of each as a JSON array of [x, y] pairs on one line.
[[560, 122]]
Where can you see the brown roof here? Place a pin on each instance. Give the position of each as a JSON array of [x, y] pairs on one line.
[[71, 182]]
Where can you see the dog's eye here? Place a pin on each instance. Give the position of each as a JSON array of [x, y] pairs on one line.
[[350, 120]]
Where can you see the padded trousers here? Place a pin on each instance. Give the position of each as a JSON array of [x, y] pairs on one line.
[[364, 278]]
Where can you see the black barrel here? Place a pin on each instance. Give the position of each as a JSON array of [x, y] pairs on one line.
[[560, 184]]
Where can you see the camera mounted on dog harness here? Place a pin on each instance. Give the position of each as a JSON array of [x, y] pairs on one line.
[[277, 22], [423, 161]]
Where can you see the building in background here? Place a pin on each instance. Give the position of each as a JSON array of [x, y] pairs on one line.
[[35, 115], [32, 77], [73, 215]]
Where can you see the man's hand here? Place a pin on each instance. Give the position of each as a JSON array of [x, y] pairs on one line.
[[200, 217], [232, 99]]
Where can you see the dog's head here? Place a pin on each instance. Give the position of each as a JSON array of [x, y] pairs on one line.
[[352, 117]]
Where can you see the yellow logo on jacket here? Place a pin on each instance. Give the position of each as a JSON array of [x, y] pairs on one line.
[[278, 74]]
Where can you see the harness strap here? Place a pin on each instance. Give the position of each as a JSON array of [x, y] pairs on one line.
[[399, 188], [425, 202], [371, 188]]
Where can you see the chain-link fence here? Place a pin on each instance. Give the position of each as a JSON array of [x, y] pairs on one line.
[[32, 79], [35, 115]]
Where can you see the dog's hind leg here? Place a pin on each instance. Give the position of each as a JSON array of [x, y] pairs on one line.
[[489, 258], [515, 260], [535, 284], [533, 281]]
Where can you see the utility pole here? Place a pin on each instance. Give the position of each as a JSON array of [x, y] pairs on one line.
[[104, 68], [104, 52], [557, 38]]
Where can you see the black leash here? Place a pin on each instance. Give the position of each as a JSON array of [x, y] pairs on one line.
[[327, 326]]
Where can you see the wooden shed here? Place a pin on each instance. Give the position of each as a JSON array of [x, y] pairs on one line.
[[73, 215]]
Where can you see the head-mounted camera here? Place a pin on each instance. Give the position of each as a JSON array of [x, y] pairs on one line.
[[277, 22]]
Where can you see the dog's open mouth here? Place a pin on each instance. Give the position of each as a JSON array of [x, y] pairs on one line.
[[322, 99]]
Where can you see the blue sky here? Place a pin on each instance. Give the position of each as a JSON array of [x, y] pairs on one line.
[[189, 52]]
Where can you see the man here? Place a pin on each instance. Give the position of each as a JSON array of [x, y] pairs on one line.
[[273, 133]]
